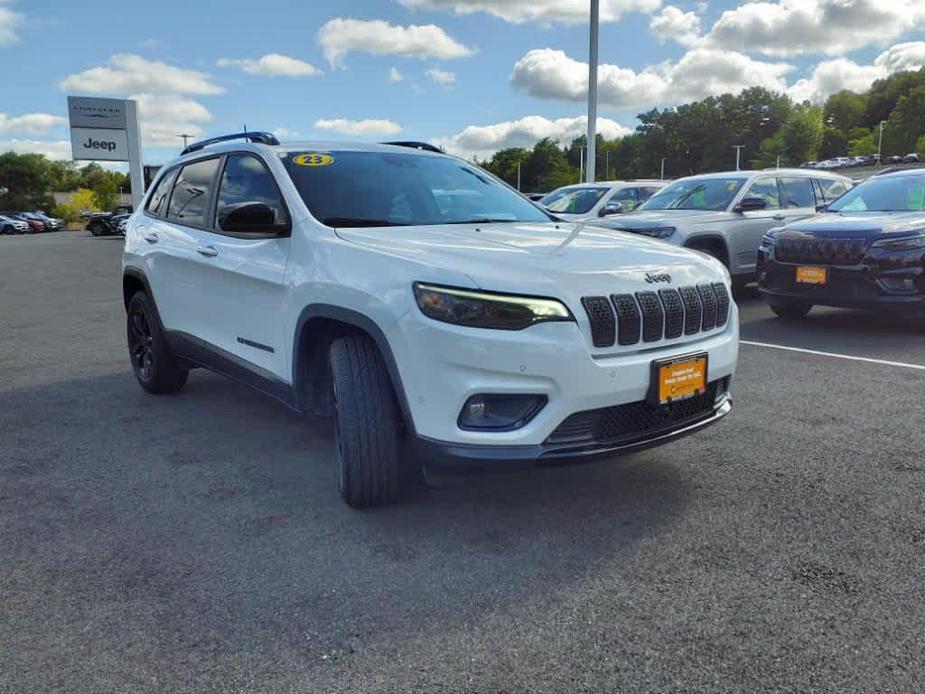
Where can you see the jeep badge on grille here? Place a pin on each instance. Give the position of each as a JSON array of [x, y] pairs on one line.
[[652, 277]]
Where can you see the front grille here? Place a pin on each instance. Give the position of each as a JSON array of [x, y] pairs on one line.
[[825, 251], [636, 420], [649, 316]]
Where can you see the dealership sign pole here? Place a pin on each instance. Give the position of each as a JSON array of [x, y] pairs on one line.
[[592, 95], [107, 130]]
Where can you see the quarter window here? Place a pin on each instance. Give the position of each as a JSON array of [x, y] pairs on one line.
[[797, 192], [246, 180], [189, 203], [766, 189], [157, 203]]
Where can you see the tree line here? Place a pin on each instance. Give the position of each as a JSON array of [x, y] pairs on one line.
[[27, 182], [700, 136]]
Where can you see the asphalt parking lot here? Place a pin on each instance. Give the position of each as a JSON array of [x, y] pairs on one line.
[[196, 543]]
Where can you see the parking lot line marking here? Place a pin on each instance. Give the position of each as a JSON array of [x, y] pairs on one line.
[[871, 360]]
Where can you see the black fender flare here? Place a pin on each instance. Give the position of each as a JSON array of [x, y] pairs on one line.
[[367, 325]]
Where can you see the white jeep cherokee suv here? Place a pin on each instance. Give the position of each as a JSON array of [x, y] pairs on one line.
[[441, 318]]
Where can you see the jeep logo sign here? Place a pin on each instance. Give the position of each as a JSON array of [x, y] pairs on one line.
[[99, 143], [652, 277]]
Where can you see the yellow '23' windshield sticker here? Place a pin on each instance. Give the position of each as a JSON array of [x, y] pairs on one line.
[[313, 159]]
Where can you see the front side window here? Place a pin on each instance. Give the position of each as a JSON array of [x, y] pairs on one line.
[[246, 180], [884, 194], [189, 202], [157, 203], [797, 192], [373, 189], [696, 193], [766, 189], [574, 199]]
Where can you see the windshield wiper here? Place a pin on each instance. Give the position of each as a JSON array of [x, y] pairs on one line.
[[483, 220], [359, 222]]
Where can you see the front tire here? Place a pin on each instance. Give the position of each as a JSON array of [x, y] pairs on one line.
[[366, 423], [97, 229], [155, 367], [792, 311]]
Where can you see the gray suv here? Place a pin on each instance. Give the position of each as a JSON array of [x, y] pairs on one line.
[[726, 214]]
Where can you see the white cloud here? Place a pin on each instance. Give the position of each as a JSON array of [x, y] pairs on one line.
[[340, 36], [551, 74], [547, 11], [676, 25], [284, 132], [30, 123], [150, 44], [395, 75], [831, 76], [442, 76], [361, 128], [10, 21], [164, 118], [483, 140], [127, 73], [53, 149], [790, 27], [272, 65]]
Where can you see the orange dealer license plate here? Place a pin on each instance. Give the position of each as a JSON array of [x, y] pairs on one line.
[[812, 275], [678, 378]]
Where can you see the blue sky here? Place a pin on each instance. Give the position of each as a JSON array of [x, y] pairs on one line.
[[475, 75]]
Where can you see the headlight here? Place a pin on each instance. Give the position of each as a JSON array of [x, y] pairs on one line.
[[477, 309], [656, 232], [907, 243]]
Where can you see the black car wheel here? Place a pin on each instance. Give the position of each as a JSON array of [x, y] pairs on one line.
[[97, 229], [155, 367]]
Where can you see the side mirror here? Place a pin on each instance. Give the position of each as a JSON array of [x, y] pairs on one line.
[[249, 217], [611, 208], [751, 204]]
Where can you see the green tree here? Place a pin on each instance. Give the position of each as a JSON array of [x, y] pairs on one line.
[[798, 140], [906, 123], [25, 182], [503, 164], [106, 194], [862, 144], [920, 146]]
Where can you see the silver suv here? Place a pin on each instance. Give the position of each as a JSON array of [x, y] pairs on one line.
[[584, 201], [726, 214]]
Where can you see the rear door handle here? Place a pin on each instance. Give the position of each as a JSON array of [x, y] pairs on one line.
[[150, 236], [207, 251]]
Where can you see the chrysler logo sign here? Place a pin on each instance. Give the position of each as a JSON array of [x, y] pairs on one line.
[[653, 277]]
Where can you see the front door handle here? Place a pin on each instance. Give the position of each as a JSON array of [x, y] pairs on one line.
[[150, 236], [207, 251], [779, 217]]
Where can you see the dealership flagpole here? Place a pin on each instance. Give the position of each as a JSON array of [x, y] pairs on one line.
[[592, 93]]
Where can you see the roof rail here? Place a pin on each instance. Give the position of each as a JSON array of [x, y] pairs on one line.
[[426, 146], [261, 137]]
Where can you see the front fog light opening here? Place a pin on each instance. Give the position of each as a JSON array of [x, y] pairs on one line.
[[900, 284], [485, 412]]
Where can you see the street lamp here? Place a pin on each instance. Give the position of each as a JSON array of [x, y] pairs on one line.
[[662, 176], [185, 139], [738, 149], [880, 143], [592, 91]]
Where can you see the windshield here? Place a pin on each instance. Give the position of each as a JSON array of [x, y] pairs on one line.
[[371, 189], [884, 194], [574, 199], [696, 194]]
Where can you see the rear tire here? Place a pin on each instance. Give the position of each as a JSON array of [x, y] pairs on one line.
[[154, 365], [366, 423], [793, 311]]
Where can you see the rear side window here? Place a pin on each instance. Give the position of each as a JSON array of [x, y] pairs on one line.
[[246, 179], [647, 192], [797, 192], [189, 203], [157, 203], [832, 188]]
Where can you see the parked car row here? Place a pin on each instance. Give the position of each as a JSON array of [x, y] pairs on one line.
[[27, 222], [868, 160], [109, 223]]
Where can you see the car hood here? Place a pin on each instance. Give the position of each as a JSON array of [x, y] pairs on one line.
[[868, 225], [568, 260], [649, 219]]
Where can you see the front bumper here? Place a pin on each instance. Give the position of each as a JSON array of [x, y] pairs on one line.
[[444, 456], [861, 286]]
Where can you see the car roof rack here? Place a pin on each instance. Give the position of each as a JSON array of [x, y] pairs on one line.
[[426, 146], [262, 138]]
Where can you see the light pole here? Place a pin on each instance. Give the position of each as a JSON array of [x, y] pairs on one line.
[[738, 149], [662, 175], [880, 143], [592, 91], [185, 139]]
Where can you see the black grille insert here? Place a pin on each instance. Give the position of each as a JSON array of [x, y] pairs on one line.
[[708, 298], [628, 318], [722, 303], [674, 312], [652, 316], [693, 310], [635, 420], [603, 323], [825, 251]]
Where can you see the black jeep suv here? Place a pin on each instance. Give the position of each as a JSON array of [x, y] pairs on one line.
[[867, 250]]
